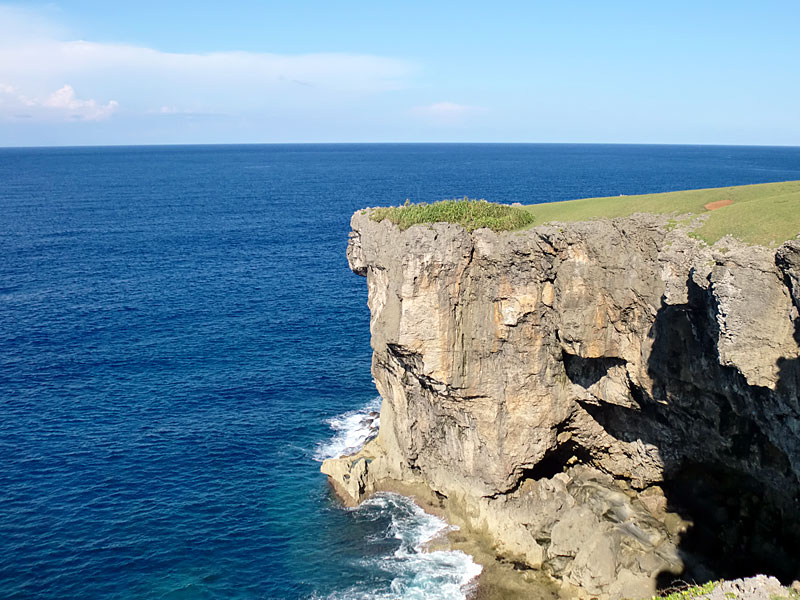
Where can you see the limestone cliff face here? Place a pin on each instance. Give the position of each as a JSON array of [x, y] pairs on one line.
[[610, 401]]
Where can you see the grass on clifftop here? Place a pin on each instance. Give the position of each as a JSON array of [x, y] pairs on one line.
[[471, 214], [767, 214]]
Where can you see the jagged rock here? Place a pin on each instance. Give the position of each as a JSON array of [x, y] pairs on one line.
[[759, 587], [606, 400]]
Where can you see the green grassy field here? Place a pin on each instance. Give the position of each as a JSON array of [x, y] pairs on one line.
[[767, 214]]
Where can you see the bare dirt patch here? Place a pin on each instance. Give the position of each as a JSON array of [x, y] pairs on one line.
[[718, 204]]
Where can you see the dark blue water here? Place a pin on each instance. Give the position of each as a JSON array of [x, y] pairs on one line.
[[176, 325]]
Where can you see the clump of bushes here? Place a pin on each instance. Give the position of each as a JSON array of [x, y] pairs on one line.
[[469, 213]]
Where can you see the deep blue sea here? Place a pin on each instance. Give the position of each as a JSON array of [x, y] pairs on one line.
[[181, 341]]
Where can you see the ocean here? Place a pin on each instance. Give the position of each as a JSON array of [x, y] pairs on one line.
[[181, 343]]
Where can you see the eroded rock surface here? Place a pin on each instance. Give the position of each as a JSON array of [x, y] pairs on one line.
[[609, 401]]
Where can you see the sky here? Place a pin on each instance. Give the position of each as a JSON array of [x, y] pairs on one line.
[[86, 72]]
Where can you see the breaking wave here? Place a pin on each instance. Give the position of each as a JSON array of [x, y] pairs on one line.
[[414, 573], [352, 430], [409, 571]]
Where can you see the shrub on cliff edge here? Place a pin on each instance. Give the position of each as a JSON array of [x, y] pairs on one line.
[[470, 214]]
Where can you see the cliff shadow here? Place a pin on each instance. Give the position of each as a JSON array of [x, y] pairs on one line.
[[727, 471]]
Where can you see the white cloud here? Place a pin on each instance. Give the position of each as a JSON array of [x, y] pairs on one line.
[[88, 110], [62, 104], [447, 112], [173, 112], [445, 108], [37, 61]]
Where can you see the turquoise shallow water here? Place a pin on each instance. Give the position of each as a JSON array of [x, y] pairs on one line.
[[178, 326]]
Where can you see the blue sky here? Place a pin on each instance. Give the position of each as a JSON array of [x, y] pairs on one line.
[[91, 72]]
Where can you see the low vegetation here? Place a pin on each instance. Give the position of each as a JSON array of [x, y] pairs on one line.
[[687, 592], [767, 214], [470, 214], [703, 591]]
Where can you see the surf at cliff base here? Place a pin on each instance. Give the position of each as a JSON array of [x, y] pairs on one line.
[[410, 571]]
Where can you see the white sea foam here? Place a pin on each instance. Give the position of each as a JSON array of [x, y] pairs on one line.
[[351, 431], [415, 574]]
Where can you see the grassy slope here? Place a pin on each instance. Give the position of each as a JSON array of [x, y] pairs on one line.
[[767, 214]]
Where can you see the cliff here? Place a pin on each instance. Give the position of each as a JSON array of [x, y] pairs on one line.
[[611, 402]]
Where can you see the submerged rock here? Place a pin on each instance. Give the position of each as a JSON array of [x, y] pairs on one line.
[[611, 402]]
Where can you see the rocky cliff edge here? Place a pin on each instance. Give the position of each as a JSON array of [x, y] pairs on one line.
[[613, 403]]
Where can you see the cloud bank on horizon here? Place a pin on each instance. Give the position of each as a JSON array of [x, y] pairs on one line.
[[61, 104], [447, 112], [531, 72], [47, 80], [41, 77]]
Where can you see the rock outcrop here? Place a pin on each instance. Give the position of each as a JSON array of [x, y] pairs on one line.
[[613, 402]]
